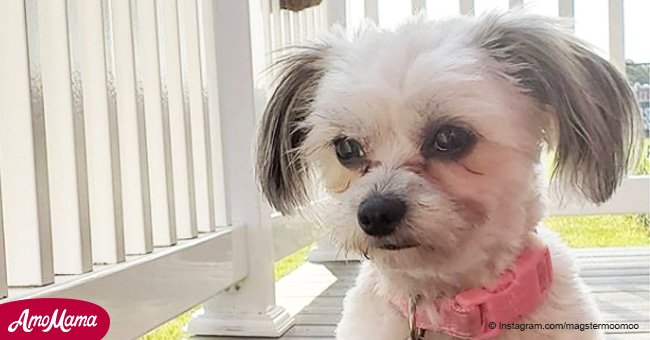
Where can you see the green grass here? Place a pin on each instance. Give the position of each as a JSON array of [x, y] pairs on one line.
[[643, 167], [601, 231], [290, 263], [172, 330]]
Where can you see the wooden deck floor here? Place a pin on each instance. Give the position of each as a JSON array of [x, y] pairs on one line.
[[618, 277]]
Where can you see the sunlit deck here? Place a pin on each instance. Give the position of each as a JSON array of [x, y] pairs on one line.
[[618, 277]]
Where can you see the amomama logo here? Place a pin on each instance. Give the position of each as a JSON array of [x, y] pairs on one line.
[[53, 319]]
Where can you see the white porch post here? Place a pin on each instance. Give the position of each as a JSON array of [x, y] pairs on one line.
[[616, 34], [371, 10], [566, 11], [466, 7], [249, 308], [418, 6], [336, 13]]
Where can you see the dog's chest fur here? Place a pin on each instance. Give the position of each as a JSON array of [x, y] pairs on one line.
[[368, 314]]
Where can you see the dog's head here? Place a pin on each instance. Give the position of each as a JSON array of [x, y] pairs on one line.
[[428, 138]]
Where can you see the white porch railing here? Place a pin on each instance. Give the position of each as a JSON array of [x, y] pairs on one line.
[[126, 155]]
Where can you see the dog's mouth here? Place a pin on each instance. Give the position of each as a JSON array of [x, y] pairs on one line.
[[395, 247]]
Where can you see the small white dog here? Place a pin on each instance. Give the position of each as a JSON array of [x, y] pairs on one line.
[[428, 139]]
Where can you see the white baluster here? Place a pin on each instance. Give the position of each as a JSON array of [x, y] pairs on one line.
[[617, 34], [285, 20], [201, 19], [23, 156], [302, 24], [418, 6], [3, 263], [371, 9], [185, 226], [133, 160], [276, 29], [97, 62], [161, 179], [309, 23], [210, 59], [566, 10], [466, 7], [64, 125], [190, 45], [336, 13]]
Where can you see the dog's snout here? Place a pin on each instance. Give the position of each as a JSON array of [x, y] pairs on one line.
[[379, 215]]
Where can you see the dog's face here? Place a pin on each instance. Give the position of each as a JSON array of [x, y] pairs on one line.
[[428, 138]]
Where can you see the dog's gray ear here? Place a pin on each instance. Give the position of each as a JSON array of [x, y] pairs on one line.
[[593, 110], [281, 169]]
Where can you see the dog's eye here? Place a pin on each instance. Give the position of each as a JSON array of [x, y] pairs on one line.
[[349, 151], [448, 141]]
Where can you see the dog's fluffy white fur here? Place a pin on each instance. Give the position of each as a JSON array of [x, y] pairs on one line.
[[516, 83]]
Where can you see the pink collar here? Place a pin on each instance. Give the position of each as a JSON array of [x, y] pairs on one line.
[[476, 313]]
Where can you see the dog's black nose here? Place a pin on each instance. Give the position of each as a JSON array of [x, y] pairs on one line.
[[379, 215]]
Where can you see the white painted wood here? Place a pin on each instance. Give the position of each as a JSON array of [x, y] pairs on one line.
[[295, 28], [486, 6], [184, 228], [137, 232], [276, 22], [70, 235], [149, 290], [566, 11], [249, 310], [566, 8], [187, 110], [354, 17], [616, 34], [23, 159], [220, 209], [261, 47], [3, 262], [190, 45], [418, 6], [371, 9], [79, 135], [285, 21], [138, 63], [335, 13], [162, 214], [205, 112], [442, 9], [107, 230], [302, 24], [632, 197], [262, 26], [466, 7], [319, 17], [309, 23]]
